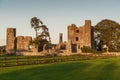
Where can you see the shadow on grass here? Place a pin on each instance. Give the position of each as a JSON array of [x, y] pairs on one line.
[[86, 70], [56, 71], [109, 72]]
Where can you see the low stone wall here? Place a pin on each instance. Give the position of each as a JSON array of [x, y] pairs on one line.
[[106, 53], [29, 53], [63, 54], [116, 53]]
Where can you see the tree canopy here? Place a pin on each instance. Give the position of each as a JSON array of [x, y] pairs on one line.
[[109, 33], [42, 34], [37, 24]]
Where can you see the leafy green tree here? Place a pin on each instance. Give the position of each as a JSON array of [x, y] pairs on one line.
[[35, 23], [109, 33], [45, 33], [117, 39], [42, 34]]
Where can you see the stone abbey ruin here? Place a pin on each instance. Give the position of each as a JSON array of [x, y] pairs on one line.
[[80, 36], [77, 38], [19, 43]]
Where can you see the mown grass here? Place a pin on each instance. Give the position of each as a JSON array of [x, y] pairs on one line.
[[99, 69]]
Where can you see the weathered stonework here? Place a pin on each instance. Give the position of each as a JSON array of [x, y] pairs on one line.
[[10, 40], [20, 43], [61, 44], [16, 44], [77, 38], [60, 37], [27, 40], [80, 36], [23, 43]]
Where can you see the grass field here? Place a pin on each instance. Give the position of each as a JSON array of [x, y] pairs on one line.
[[99, 69]]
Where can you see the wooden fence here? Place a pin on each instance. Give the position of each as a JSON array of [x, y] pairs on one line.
[[31, 60]]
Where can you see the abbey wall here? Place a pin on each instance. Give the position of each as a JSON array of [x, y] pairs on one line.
[[16, 44], [23, 43], [77, 38], [80, 36]]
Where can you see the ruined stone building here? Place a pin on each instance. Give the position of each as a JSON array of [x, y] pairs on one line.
[[22, 43], [16, 44], [10, 40], [80, 36], [62, 44], [77, 38], [60, 37]]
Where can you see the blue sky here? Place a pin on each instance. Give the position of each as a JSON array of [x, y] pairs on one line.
[[56, 14]]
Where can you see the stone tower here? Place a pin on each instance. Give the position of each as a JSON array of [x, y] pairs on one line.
[[80, 36], [10, 40], [60, 38]]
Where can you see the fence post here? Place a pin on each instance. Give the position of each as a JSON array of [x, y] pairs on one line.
[[37, 62], [16, 60], [4, 61], [27, 60]]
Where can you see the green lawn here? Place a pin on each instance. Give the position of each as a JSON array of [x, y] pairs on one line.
[[100, 69]]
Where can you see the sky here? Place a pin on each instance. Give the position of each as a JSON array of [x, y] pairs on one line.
[[55, 14]]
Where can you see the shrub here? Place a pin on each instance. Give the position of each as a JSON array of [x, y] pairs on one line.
[[86, 49]]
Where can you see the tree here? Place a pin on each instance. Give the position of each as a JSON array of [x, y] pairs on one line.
[[45, 33], [35, 23], [42, 36], [117, 39], [109, 33]]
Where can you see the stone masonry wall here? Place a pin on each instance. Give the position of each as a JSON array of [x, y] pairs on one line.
[[80, 36], [23, 43], [27, 40], [10, 40], [20, 43]]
